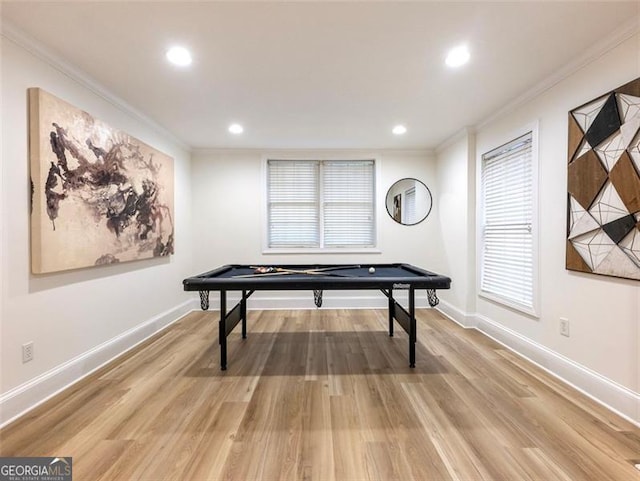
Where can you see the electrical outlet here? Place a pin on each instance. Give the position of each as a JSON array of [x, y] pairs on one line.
[[564, 326], [27, 352]]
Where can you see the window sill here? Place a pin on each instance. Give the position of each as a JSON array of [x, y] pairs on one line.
[[332, 250], [503, 301]]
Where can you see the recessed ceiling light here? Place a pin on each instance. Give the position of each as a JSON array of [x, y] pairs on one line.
[[458, 56], [399, 130], [179, 56], [236, 129]]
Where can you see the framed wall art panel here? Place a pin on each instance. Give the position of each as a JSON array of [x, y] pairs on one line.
[[603, 201], [99, 196]]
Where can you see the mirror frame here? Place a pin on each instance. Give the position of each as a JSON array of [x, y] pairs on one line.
[[386, 200]]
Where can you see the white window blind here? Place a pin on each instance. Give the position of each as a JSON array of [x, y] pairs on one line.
[[348, 203], [409, 211], [293, 203], [507, 269], [318, 204]]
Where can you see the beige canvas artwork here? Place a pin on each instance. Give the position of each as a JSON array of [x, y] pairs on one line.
[[99, 196]]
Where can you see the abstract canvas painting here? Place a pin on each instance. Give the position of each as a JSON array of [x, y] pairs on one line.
[[98, 195], [603, 211]]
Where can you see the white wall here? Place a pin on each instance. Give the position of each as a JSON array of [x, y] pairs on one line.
[[81, 318], [601, 356], [78, 319], [228, 195], [456, 182]]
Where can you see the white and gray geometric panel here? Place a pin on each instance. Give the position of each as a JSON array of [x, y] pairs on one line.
[[581, 221], [618, 263], [610, 150], [593, 247], [587, 114], [634, 150], [608, 206], [628, 106], [629, 129], [630, 245]]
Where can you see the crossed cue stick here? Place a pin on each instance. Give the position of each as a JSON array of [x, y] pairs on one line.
[[279, 271]]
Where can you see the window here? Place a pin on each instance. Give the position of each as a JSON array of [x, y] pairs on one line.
[[507, 271], [293, 195], [320, 203], [410, 214]]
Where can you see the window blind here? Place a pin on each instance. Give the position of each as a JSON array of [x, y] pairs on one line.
[[315, 204], [409, 211], [348, 203], [293, 203], [507, 216]]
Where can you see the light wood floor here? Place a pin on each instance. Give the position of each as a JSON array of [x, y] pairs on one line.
[[326, 395]]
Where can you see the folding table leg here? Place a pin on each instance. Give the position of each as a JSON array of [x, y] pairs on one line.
[[222, 331]]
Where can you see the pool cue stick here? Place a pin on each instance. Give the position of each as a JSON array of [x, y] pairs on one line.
[[337, 268], [261, 274], [278, 272], [268, 274], [282, 271], [286, 271], [311, 272], [314, 270]]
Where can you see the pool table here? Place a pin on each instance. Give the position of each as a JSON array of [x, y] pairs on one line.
[[317, 278]]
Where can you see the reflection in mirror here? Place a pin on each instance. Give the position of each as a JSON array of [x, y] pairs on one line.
[[409, 201]]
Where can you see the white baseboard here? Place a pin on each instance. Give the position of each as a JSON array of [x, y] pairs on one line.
[[27, 396], [23, 398], [613, 396], [465, 319]]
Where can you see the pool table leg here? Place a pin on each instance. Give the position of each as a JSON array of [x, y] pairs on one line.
[[391, 309], [222, 331], [413, 330], [243, 314]]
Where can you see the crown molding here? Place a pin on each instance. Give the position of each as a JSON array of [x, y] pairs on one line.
[[310, 152], [463, 133], [42, 52], [597, 50]]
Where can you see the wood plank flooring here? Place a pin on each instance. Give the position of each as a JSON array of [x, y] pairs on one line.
[[326, 395]]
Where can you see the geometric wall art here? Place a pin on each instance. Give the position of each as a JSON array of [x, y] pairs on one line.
[[98, 195], [603, 202]]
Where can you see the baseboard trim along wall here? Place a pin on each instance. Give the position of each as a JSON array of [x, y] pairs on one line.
[[23, 398], [27, 396], [465, 319], [613, 396]]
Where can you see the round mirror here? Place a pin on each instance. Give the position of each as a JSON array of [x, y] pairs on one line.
[[409, 201]]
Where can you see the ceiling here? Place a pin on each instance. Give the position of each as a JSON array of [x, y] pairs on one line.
[[310, 75]]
